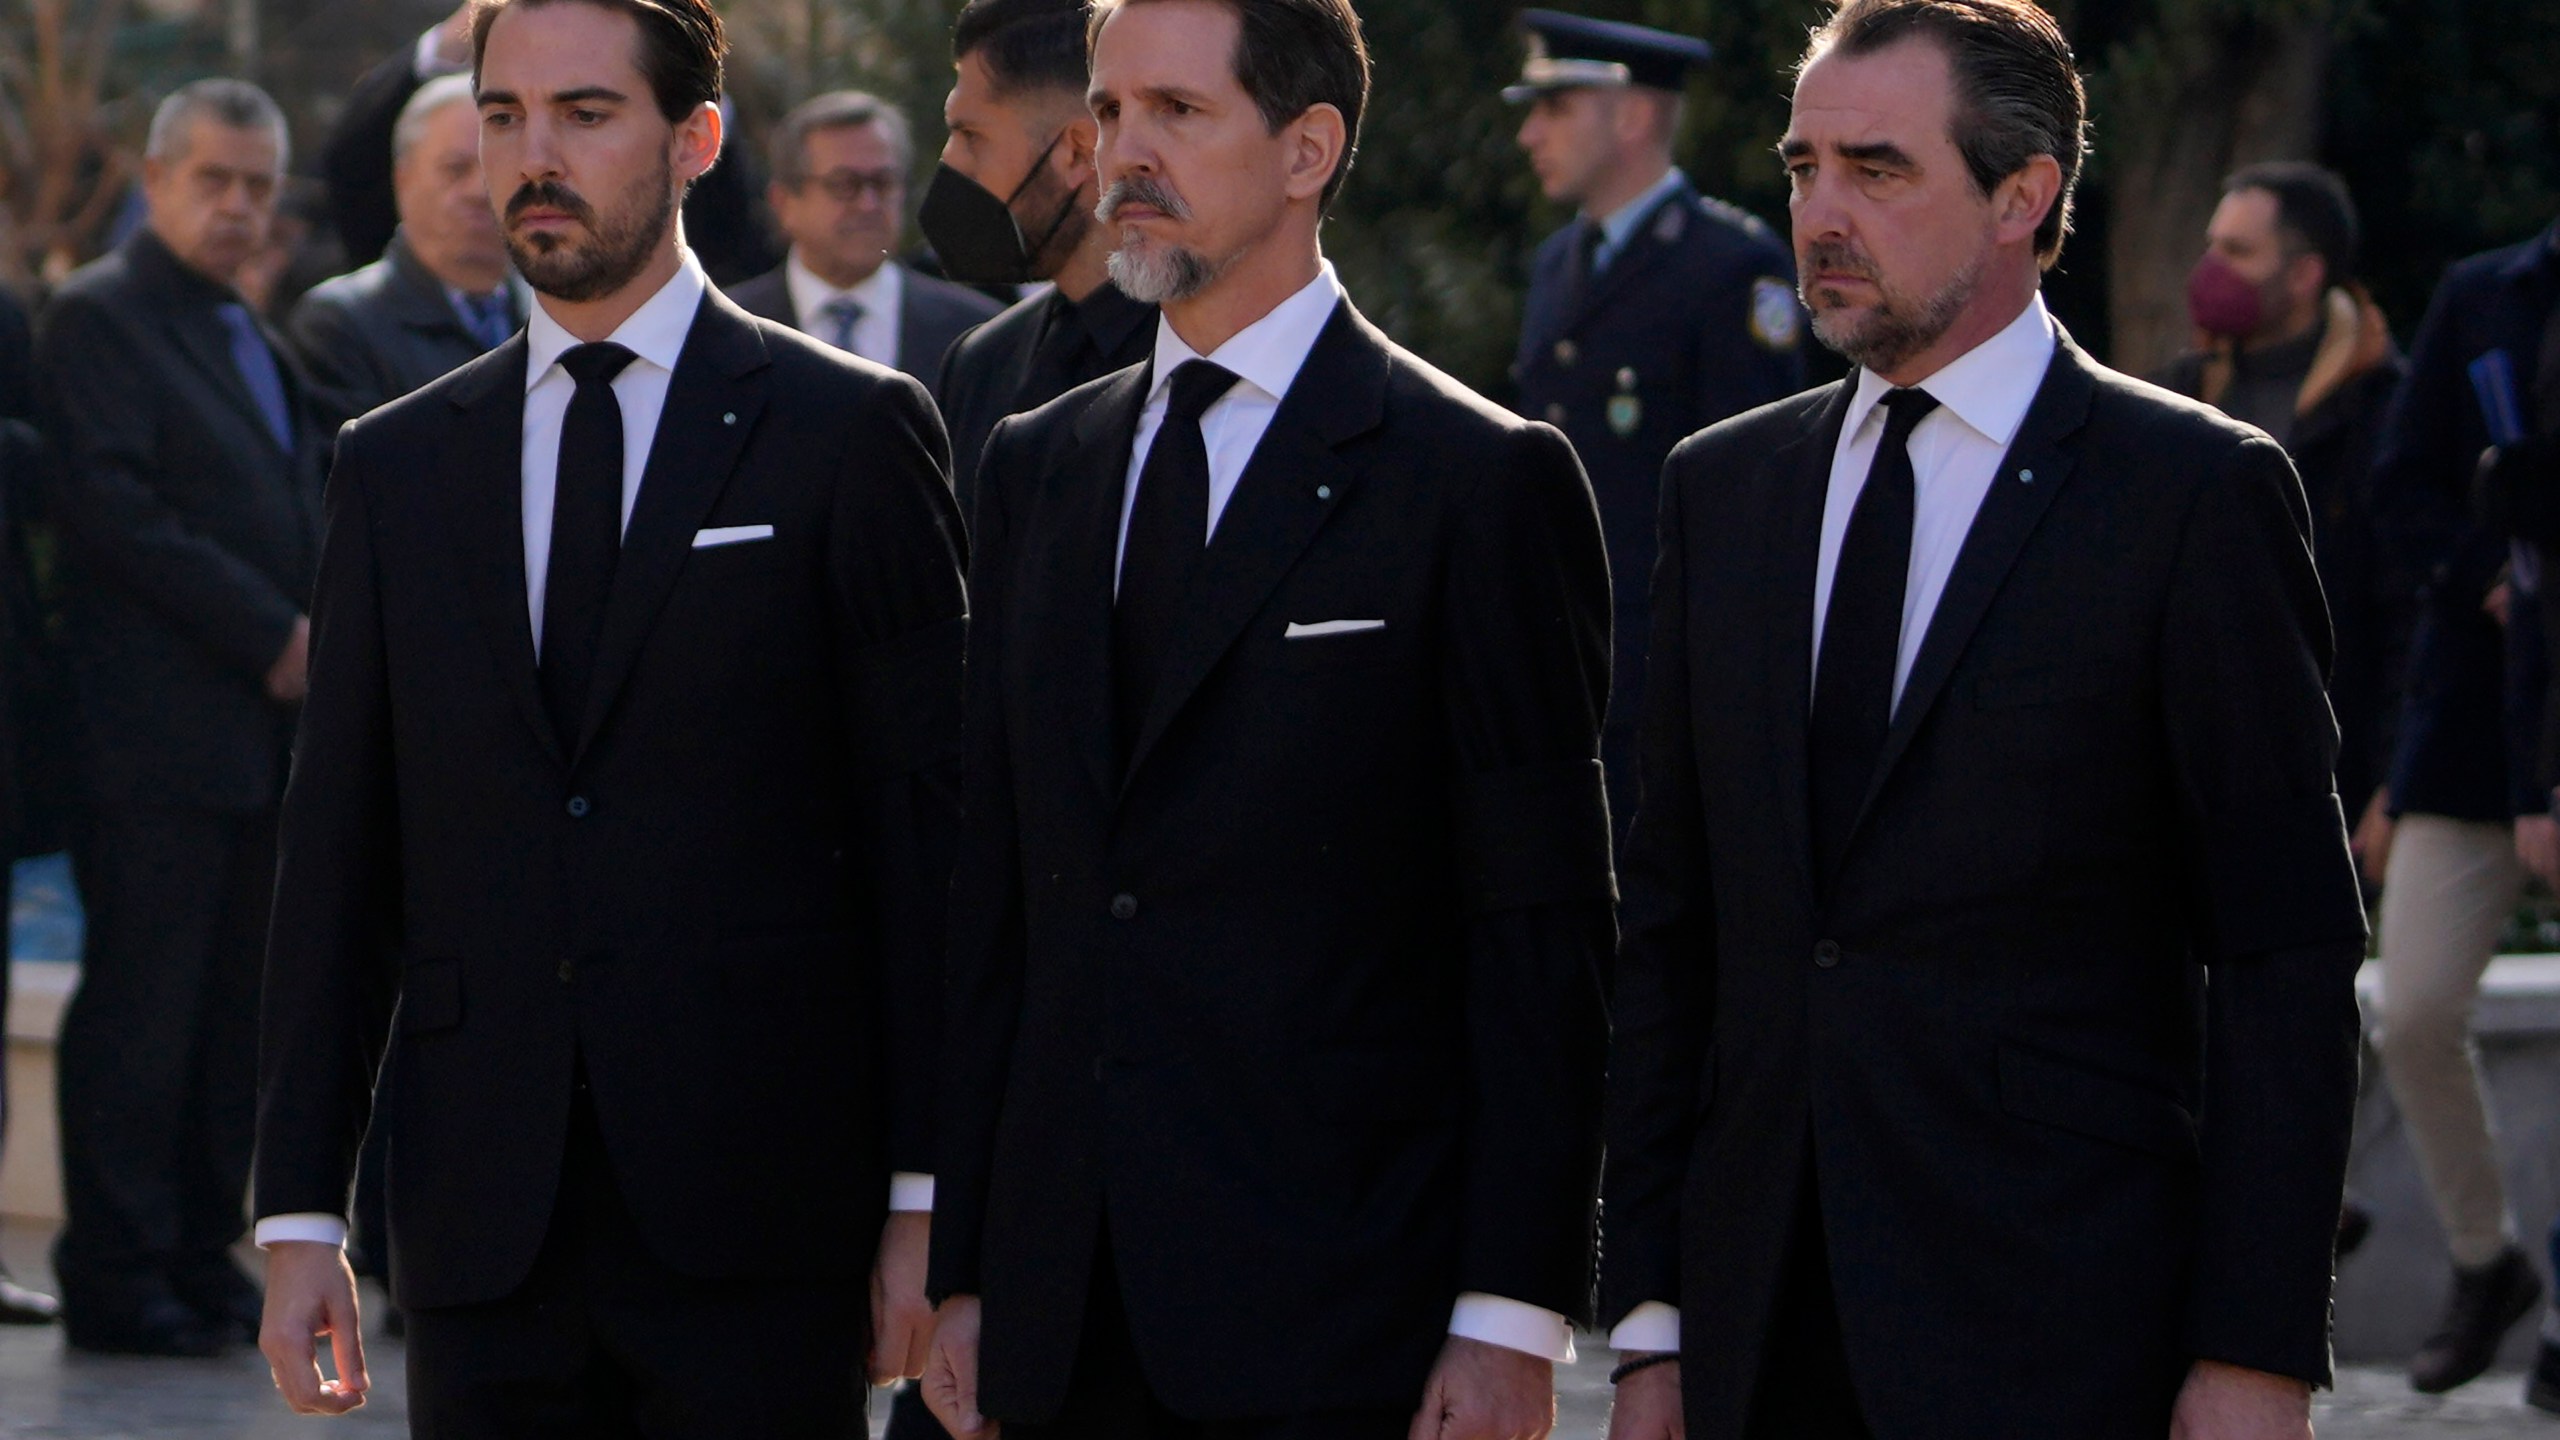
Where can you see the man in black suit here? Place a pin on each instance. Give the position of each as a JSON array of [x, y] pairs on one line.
[[723, 223], [1986, 1034], [189, 504], [840, 164], [1012, 201], [629, 778], [1274, 1019], [439, 296]]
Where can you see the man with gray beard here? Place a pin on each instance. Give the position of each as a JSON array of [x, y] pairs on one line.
[[1270, 1103], [1986, 1032]]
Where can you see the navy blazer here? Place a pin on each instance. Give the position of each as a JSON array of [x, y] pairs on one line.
[[2465, 748]]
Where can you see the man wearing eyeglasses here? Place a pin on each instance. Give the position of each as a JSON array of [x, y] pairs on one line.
[[840, 192]]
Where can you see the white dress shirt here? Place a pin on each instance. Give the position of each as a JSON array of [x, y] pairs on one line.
[[875, 335], [656, 334], [1983, 397], [1266, 357]]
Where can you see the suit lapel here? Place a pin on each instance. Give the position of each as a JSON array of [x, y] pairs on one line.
[[2008, 517], [1799, 486], [713, 401], [1087, 560], [1294, 482], [487, 469]]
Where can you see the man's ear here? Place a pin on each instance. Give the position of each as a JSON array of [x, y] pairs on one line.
[[1074, 156], [697, 142], [2023, 200], [1317, 140]]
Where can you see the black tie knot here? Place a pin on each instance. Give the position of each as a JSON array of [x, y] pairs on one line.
[[597, 363], [1904, 410], [1197, 385]]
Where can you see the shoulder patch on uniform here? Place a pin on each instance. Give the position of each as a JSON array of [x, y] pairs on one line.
[[1670, 225], [1775, 321]]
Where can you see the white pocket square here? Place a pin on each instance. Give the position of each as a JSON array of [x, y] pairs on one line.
[[730, 535], [1332, 627]]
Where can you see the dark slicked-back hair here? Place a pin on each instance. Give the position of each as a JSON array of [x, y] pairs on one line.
[[2314, 213], [1291, 56], [682, 46], [2018, 92], [1025, 44]]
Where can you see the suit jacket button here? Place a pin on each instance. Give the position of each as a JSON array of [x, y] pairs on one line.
[[1557, 415], [1826, 953], [1566, 353], [578, 807], [1124, 907], [568, 971]]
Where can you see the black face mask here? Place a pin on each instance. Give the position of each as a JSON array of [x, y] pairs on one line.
[[974, 233]]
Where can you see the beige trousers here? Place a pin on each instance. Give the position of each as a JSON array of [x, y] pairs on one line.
[[2451, 889]]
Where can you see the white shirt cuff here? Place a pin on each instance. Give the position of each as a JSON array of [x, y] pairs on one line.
[[1513, 1325], [1650, 1327], [316, 1228], [910, 1192]]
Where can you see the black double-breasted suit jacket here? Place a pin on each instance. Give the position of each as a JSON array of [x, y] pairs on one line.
[[1303, 1005], [2068, 1041], [720, 901]]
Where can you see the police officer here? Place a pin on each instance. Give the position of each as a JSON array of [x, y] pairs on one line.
[[1656, 313]]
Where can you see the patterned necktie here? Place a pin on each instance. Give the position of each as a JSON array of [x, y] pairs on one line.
[[490, 318], [841, 314], [1862, 634], [259, 371], [586, 534], [1168, 529]]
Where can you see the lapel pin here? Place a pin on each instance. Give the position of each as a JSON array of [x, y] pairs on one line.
[[2026, 477], [1324, 492], [729, 418]]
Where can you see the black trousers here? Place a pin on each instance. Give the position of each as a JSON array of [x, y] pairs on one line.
[[1110, 1399], [604, 1342], [158, 1058], [1805, 1391]]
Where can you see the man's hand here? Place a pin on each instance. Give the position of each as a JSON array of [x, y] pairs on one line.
[[2225, 1402], [2538, 846], [1486, 1392], [951, 1371], [2500, 603], [311, 1293], [901, 1321], [1648, 1406], [2372, 840], [289, 679], [453, 37]]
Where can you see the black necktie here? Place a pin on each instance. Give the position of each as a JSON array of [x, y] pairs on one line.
[[1862, 634], [1168, 528], [1583, 272], [586, 534]]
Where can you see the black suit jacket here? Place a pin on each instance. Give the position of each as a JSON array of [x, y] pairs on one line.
[[2073, 1035], [1036, 351], [1309, 1002], [190, 534], [724, 212], [931, 314], [719, 900], [375, 335]]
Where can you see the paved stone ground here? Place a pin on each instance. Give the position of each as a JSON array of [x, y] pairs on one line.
[[48, 1394]]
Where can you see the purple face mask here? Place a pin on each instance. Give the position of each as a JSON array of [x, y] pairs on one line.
[[2222, 300]]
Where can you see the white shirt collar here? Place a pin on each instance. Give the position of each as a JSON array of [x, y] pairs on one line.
[[1989, 387], [1266, 354], [810, 293], [655, 332]]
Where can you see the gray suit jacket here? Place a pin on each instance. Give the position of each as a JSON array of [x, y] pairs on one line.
[[932, 315], [370, 337]]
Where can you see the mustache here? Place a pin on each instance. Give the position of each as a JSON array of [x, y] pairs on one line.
[[1837, 257], [552, 195], [1140, 190]]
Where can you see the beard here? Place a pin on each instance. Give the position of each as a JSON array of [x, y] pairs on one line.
[[1899, 325], [617, 248], [1154, 274], [1046, 204]]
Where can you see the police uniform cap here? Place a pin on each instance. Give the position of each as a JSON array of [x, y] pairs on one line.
[[1571, 52]]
